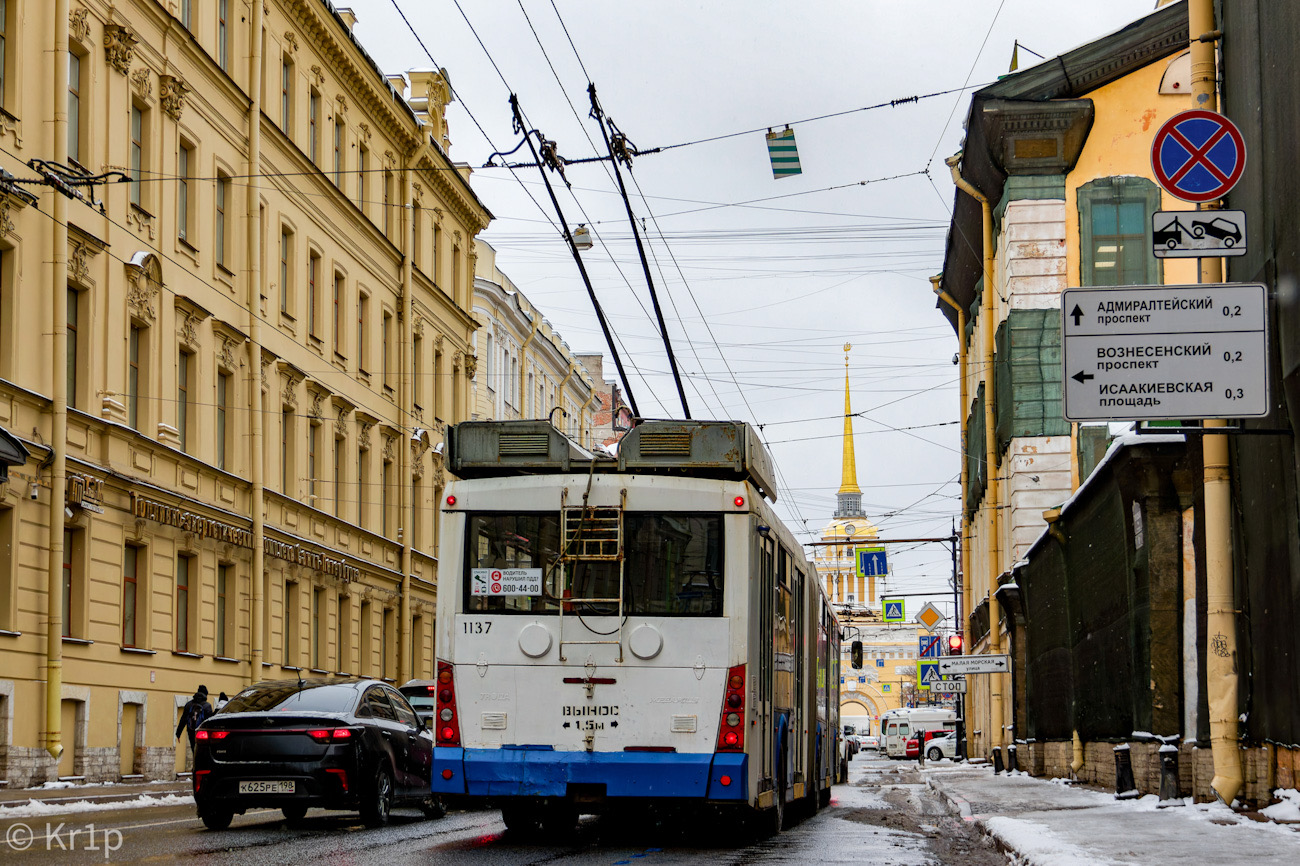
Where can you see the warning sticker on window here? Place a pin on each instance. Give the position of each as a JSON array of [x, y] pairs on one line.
[[505, 581]]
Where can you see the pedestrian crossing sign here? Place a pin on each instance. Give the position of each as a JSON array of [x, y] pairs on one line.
[[927, 672], [886, 687], [894, 609]]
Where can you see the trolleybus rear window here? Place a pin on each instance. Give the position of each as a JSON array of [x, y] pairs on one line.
[[672, 567]]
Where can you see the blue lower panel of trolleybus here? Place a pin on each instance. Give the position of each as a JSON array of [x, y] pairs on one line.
[[539, 771]]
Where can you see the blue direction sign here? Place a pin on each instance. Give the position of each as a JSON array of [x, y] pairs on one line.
[[893, 609], [1198, 155], [926, 674], [872, 561], [929, 647]]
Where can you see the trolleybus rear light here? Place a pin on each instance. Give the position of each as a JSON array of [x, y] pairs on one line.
[[725, 781], [731, 721], [449, 732], [447, 774], [451, 501], [740, 501]]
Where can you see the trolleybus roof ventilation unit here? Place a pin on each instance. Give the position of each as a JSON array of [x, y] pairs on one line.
[[701, 449], [478, 449], [713, 449]]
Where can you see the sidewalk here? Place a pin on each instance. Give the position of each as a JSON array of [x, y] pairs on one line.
[[60, 796], [1051, 823]]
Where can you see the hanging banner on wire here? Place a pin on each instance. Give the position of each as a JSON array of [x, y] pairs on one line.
[[784, 153]]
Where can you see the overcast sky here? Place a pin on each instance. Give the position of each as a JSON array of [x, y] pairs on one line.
[[763, 281]]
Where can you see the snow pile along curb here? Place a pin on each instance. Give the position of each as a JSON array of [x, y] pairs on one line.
[[39, 809]]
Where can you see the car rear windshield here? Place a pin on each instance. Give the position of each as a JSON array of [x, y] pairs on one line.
[[672, 566], [290, 698]]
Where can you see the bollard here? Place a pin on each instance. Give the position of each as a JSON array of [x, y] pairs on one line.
[[997, 761], [1125, 788], [1169, 772], [1012, 766]]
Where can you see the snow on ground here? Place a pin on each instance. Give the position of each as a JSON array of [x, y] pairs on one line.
[[39, 809], [1036, 844], [1288, 809]]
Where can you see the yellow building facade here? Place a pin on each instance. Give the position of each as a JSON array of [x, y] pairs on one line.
[[1062, 153], [231, 371], [526, 369]]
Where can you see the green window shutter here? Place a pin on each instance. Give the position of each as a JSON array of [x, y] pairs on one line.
[[1027, 376], [976, 477], [1115, 232]]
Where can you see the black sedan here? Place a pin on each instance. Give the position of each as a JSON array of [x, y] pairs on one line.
[[333, 744]]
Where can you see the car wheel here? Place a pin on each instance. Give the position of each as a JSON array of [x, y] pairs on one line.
[[1198, 231], [379, 809], [294, 814], [1172, 243], [934, 754], [1229, 242], [433, 807], [216, 819]]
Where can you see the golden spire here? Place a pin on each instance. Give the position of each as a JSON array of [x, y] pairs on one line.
[[849, 481]]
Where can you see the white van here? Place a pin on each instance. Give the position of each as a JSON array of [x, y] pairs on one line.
[[898, 726]]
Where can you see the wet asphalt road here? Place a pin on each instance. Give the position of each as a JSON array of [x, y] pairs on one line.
[[885, 815]]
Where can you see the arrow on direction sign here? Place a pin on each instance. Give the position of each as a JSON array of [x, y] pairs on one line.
[[1077, 314], [1082, 377]]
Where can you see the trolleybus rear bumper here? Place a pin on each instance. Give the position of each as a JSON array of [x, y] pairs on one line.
[[543, 772]]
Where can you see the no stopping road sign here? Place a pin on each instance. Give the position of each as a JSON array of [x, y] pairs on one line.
[[1198, 155]]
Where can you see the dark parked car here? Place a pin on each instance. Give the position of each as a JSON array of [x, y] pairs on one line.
[[423, 698], [333, 744]]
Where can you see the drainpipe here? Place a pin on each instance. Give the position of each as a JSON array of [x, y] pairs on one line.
[[59, 388], [253, 262], [992, 494], [964, 397], [406, 399], [559, 402], [1221, 669]]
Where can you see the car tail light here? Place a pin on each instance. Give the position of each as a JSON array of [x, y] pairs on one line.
[[329, 735], [211, 735], [731, 724], [449, 725], [343, 777], [198, 776]]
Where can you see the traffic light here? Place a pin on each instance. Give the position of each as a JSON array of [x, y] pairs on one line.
[[954, 644], [855, 654]]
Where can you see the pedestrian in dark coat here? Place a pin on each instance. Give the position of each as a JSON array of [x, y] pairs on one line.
[[195, 712]]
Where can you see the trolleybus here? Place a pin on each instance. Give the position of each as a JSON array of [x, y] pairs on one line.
[[631, 630]]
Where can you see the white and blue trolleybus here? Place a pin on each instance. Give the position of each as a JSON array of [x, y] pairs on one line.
[[628, 631]]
